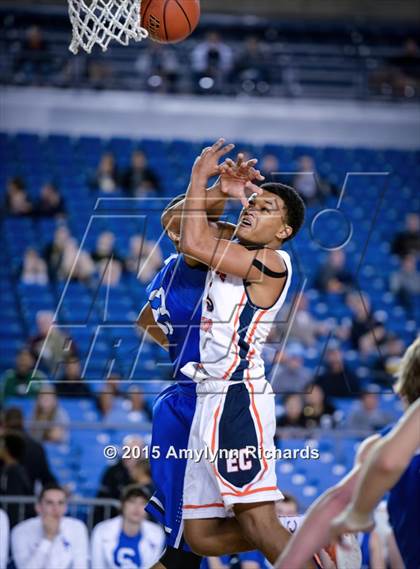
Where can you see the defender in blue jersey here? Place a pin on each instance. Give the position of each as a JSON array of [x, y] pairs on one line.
[[384, 463]]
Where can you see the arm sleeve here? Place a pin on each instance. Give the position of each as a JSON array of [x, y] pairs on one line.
[[25, 557], [81, 548], [4, 539], [96, 551]]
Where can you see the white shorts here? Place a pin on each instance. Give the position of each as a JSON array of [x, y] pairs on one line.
[[233, 426]]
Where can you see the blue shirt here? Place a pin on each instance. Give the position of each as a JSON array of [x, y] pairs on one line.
[[175, 296], [127, 552]]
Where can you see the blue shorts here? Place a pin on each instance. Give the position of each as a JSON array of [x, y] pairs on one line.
[[173, 414]]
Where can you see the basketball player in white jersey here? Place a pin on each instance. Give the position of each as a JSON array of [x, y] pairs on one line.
[[234, 422]]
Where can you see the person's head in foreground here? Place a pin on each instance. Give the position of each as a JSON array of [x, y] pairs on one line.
[[272, 217], [52, 502], [408, 375], [288, 506], [133, 502]]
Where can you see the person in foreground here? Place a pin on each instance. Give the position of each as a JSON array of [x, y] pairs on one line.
[[389, 463]]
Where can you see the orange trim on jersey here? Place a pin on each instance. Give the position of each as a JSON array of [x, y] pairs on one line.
[[246, 492], [196, 506], [229, 372]]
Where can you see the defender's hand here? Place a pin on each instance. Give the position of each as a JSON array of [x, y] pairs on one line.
[[349, 522]]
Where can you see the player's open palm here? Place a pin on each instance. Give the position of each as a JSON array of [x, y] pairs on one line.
[[236, 178], [207, 164]]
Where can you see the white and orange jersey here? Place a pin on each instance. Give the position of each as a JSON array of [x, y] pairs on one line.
[[233, 329]]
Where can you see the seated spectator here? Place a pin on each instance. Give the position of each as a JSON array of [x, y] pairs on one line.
[[4, 539], [366, 332], [288, 506], [34, 268], [51, 539], [128, 539], [307, 182], [293, 412], [99, 73], [119, 475], [337, 380], [212, 58], [136, 409], [108, 263], [289, 374], [50, 344], [110, 404], [251, 65], [368, 415], [50, 203], [34, 60], [270, 169], [407, 242], [319, 412], [34, 458], [22, 380], [106, 179], [144, 258], [386, 366], [48, 409], [140, 180], [400, 76], [14, 480], [333, 276], [304, 328], [159, 65], [17, 200], [55, 250], [142, 474], [405, 284], [76, 264], [71, 383]]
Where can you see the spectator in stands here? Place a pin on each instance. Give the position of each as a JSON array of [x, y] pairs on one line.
[[34, 60], [14, 480], [368, 415], [51, 539], [50, 343], [366, 332], [333, 276], [288, 506], [17, 200], [318, 411], [34, 268], [212, 58], [293, 412], [386, 366], [72, 384], [289, 373], [34, 458], [304, 328], [270, 169], [128, 540], [144, 259], [54, 252], [405, 284], [337, 380], [251, 66], [108, 262], [400, 76], [308, 183], [75, 264], [4, 539], [50, 203], [99, 73], [120, 474], [408, 241], [139, 179], [142, 474], [48, 409], [110, 404], [137, 410], [22, 380], [159, 65], [106, 179]]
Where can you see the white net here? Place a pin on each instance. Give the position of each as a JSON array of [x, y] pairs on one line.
[[100, 21]]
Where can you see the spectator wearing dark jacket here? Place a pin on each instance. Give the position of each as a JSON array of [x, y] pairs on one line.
[[337, 380], [140, 179], [71, 383]]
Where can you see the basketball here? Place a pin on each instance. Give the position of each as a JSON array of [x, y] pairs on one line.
[[170, 21]]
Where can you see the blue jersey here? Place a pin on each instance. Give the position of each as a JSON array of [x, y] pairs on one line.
[[127, 553], [404, 511], [175, 297]]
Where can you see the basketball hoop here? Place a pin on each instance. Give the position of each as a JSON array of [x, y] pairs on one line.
[[100, 21]]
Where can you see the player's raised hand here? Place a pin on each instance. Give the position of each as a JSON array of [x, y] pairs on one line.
[[207, 164], [236, 178], [349, 522]]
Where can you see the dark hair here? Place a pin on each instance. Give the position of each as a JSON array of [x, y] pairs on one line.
[[294, 204], [50, 486], [134, 491], [13, 418], [15, 444]]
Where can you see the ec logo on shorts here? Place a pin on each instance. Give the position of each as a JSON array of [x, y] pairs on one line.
[[239, 462]]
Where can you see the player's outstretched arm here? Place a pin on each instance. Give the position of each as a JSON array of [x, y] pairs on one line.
[[381, 471], [313, 534]]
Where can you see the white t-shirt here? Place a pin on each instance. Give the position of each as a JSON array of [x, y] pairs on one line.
[[111, 549], [68, 550], [4, 539]]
